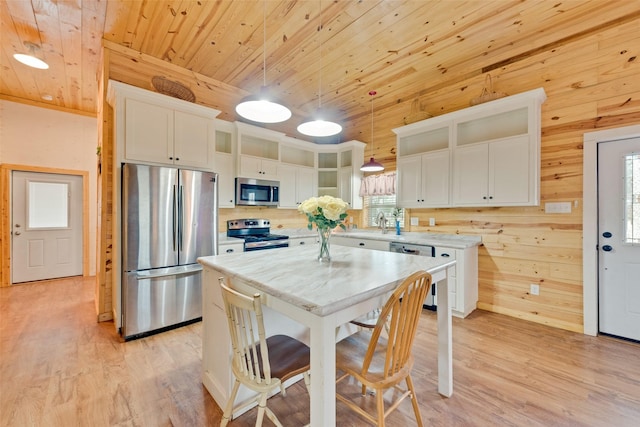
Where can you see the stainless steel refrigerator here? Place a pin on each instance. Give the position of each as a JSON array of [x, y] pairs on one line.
[[169, 219]]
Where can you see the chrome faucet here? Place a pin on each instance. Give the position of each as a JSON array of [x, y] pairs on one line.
[[382, 222]]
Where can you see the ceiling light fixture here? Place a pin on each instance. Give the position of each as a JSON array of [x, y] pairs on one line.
[[318, 126], [30, 59], [262, 107], [372, 165]]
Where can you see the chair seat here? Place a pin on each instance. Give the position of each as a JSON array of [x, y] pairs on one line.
[[367, 320], [288, 357]]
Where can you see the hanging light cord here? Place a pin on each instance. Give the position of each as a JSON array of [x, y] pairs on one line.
[[372, 94], [264, 43], [320, 73]]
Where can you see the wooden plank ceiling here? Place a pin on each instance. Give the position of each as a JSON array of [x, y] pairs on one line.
[[341, 49]]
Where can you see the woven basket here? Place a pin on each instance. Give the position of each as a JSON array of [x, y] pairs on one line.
[[416, 113], [171, 88], [488, 94]]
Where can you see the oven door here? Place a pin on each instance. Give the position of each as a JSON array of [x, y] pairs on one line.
[[255, 192]]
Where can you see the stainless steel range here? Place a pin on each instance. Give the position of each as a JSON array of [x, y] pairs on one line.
[[256, 234]]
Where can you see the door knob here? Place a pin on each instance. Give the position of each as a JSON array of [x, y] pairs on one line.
[[607, 248]]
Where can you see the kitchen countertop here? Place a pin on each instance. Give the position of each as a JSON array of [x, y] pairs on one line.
[[456, 241], [351, 276]]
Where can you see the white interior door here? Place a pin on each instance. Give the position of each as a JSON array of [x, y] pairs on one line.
[[46, 213], [619, 237]]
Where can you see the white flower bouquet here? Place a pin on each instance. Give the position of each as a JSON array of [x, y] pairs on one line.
[[325, 211]]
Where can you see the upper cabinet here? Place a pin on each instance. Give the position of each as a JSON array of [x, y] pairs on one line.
[[423, 165], [258, 152], [339, 172], [296, 172], [486, 155], [155, 128], [224, 162]]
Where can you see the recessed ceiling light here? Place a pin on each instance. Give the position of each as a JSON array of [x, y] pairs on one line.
[[47, 97]]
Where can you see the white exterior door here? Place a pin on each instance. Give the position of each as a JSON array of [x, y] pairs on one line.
[[619, 237], [46, 212]]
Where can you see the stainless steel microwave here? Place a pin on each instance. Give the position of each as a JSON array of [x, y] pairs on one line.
[[257, 192]]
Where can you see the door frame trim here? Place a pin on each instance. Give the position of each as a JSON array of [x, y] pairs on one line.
[[5, 215], [590, 219]]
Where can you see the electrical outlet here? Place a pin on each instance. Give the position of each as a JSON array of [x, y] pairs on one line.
[[414, 220], [534, 289]]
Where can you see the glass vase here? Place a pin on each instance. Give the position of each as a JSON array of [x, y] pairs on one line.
[[324, 235]]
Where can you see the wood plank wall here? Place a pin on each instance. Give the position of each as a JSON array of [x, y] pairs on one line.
[[592, 82]]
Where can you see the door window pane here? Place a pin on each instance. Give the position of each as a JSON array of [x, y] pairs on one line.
[[48, 205], [632, 199]]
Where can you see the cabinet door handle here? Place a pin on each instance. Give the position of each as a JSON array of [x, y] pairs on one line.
[[302, 243], [446, 255], [361, 244], [229, 251]]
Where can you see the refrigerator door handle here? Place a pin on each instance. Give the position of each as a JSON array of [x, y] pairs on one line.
[[174, 219], [147, 274], [180, 216]]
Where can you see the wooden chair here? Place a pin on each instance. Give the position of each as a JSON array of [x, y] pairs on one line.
[[381, 363], [261, 364]]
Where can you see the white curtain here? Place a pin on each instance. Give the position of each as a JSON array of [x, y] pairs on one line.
[[378, 185]]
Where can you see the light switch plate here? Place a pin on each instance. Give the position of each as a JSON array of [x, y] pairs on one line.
[[557, 207], [414, 220]]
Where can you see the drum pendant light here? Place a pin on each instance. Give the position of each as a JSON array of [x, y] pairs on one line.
[[318, 126], [31, 59], [372, 165], [263, 107]]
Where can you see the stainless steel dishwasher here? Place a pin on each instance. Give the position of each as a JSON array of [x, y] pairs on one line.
[[419, 250]]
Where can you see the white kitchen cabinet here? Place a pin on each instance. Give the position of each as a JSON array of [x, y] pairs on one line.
[[302, 241], [423, 180], [498, 173], [462, 278], [258, 152], [224, 163], [423, 169], [230, 248], [349, 174], [259, 168], [158, 129], [339, 172], [296, 172], [485, 155], [374, 244], [297, 184]]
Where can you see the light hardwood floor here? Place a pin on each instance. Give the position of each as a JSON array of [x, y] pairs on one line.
[[61, 368]]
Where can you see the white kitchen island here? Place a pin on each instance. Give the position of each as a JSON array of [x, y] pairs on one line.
[[310, 300]]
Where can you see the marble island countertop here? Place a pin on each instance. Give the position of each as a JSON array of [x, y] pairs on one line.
[[322, 288]]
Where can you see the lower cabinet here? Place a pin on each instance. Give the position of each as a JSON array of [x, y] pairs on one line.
[[378, 245], [462, 278], [299, 241], [230, 248]]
